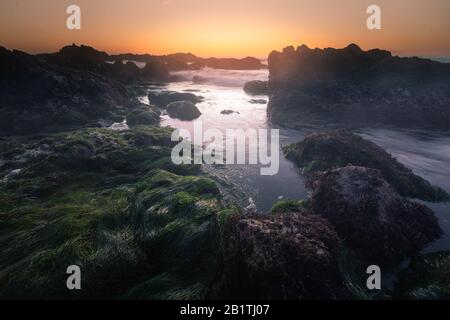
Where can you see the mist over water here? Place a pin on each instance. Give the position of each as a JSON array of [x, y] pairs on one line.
[[426, 153]]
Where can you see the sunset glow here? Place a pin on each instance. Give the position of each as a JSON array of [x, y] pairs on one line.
[[226, 28]]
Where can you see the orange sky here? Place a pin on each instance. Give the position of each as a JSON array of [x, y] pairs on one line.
[[226, 28]]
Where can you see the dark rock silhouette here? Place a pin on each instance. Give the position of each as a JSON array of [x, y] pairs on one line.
[[227, 112], [353, 86], [183, 110], [338, 148], [143, 116], [163, 98], [37, 95], [256, 87], [258, 101], [379, 225], [188, 61]]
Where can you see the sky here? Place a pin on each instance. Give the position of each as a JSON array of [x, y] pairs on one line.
[[226, 28]]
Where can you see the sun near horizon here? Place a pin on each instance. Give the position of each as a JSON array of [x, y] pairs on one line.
[[232, 28]]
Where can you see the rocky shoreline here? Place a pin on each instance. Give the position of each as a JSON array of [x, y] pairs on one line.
[[140, 227]]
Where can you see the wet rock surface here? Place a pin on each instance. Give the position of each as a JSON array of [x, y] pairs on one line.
[[337, 148], [283, 256], [373, 219], [183, 110]]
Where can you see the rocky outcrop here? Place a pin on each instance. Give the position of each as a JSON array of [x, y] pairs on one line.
[[89, 59], [374, 220], [282, 256], [37, 95], [163, 98], [256, 87], [338, 148], [183, 110], [352, 86]]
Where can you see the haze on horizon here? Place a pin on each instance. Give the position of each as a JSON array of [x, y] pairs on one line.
[[226, 28]]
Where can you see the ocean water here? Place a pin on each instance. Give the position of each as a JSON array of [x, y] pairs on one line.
[[426, 153]]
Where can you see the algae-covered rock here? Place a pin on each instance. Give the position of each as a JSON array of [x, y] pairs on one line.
[[142, 117], [338, 148], [284, 206], [283, 256], [88, 198], [426, 278], [178, 221], [376, 222]]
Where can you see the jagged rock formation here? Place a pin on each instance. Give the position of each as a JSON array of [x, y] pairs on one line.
[[353, 86], [338, 148], [89, 59]]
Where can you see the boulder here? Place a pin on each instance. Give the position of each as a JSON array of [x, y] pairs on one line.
[[162, 99], [338, 148], [380, 226], [258, 101], [143, 117], [227, 112], [282, 256], [183, 110], [256, 87]]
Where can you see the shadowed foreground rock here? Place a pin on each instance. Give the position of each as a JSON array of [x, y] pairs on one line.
[[283, 256], [338, 148], [376, 222]]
